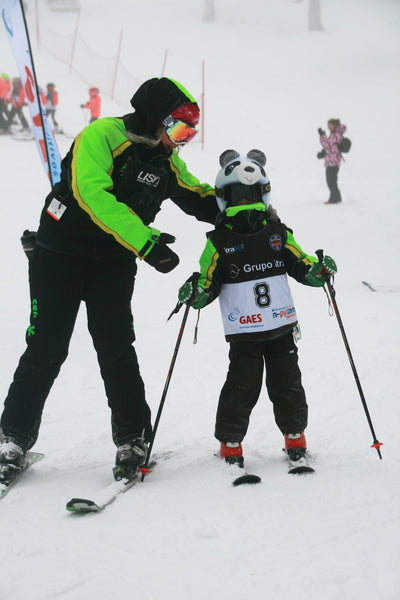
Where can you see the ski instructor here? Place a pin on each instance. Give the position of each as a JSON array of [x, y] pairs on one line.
[[94, 227]]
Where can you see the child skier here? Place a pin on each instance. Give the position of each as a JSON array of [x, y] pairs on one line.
[[52, 104], [16, 98], [245, 262], [332, 157], [94, 104], [5, 87]]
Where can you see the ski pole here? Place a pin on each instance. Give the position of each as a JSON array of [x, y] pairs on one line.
[[332, 294], [144, 470]]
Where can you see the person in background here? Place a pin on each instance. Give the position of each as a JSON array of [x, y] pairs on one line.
[[245, 263], [94, 104], [52, 104], [42, 95], [16, 98], [332, 156], [5, 87], [94, 228]]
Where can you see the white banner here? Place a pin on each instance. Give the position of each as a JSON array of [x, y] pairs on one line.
[[14, 21]]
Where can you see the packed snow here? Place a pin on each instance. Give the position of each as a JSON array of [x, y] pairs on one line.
[[186, 533]]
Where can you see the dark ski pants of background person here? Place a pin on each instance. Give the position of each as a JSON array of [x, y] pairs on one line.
[[243, 386], [331, 180], [19, 113], [51, 114], [58, 284]]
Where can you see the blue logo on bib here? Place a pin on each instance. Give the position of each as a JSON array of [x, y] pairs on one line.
[[234, 315], [275, 241]]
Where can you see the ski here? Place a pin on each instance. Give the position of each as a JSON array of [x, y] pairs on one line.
[[298, 466], [32, 458], [23, 137], [380, 288], [107, 495], [102, 498], [246, 478], [21, 134], [238, 474]]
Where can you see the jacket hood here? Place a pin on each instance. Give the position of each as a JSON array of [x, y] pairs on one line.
[[154, 101]]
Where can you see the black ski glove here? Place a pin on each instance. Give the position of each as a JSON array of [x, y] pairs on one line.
[[160, 256], [28, 241], [321, 131], [321, 154]]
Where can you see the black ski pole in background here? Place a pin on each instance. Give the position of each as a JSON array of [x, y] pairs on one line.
[[144, 470], [332, 294]]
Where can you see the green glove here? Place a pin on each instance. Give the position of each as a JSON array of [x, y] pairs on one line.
[[193, 295], [319, 272]]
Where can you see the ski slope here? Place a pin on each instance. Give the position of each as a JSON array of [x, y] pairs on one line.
[[186, 533]]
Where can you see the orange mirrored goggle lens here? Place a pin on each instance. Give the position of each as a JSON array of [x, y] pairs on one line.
[[178, 132]]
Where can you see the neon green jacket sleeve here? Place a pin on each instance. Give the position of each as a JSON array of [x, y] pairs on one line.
[[91, 183]]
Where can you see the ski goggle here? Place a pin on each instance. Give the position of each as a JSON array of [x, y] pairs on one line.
[[239, 193], [178, 131]]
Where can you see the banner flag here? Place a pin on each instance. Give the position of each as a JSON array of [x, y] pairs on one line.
[[14, 20]]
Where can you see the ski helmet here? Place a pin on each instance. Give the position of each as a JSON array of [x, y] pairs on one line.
[[188, 113], [242, 177]]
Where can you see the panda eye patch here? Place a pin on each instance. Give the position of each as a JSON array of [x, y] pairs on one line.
[[231, 167], [261, 169]]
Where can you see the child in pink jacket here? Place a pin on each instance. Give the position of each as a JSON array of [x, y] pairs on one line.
[[332, 156], [94, 104]]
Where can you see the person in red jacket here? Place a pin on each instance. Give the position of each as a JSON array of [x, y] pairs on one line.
[[17, 99], [52, 103], [94, 104], [42, 96], [5, 87], [332, 156]]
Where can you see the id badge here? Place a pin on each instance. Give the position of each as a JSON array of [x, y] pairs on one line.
[[56, 209], [296, 333]]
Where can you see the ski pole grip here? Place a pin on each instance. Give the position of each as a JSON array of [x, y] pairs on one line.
[[320, 254]]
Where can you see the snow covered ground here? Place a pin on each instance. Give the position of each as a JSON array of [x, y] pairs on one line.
[[186, 533]]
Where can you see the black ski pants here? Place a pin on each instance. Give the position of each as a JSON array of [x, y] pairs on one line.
[[243, 384], [58, 285], [332, 181], [51, 113], [17, 110]]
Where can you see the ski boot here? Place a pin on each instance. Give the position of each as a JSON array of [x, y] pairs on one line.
[[296, 453], [295, 446], [130, 457], [232, 453], [12, 460]]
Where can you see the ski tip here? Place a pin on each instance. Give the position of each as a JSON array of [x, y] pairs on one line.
[[35, 456], [301, 469], [247, 478], [81, 505]]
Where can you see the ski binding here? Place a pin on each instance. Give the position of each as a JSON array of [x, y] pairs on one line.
[[32, 458], [298, 466]]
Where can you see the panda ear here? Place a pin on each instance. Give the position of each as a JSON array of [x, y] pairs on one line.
[[258, 156], [227, 156]]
